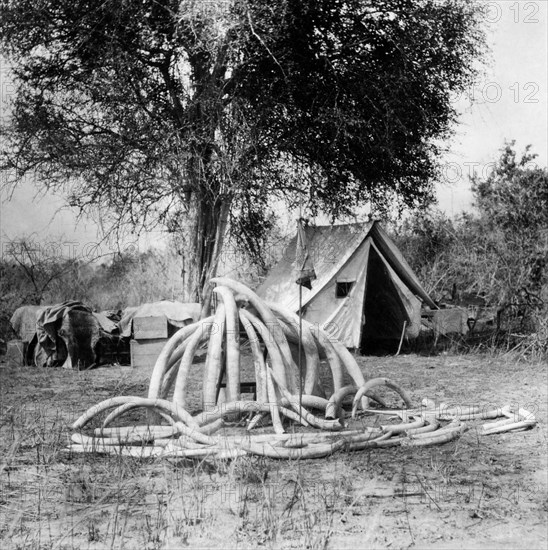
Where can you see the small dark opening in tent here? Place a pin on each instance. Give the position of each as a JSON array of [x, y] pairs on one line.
[[343, 288], [384, 312]]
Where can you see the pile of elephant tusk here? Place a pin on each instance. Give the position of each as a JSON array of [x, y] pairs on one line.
[[278, 396]]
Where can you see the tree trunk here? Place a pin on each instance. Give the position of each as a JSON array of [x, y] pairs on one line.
[[210, 270], [211, 194], [204, 247]]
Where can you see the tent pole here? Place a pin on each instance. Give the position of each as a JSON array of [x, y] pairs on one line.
[[401, 339], [300, 350], [300, 323]]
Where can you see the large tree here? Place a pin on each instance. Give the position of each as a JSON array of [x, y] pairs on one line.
[[195, 113]]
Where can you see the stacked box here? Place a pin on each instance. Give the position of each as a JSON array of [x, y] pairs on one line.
[[150, 335], [145, 352]]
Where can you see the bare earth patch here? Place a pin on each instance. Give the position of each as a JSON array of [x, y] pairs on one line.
[[476, 492]]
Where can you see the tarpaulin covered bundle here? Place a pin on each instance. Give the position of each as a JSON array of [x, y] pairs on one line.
[[178, 314], [23, 322], [65, 334]]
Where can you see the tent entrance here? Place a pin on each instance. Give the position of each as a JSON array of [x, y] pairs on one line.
[[383, 313]]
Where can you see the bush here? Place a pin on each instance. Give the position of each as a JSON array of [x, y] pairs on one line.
[[499, 254]]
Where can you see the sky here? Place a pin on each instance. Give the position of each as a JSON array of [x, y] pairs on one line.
[[510, 100], [510, 103]]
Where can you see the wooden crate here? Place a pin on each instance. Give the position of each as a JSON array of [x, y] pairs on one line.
[[145, 352], [149, 328]]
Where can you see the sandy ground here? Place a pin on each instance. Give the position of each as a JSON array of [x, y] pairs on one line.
[[476, 492]]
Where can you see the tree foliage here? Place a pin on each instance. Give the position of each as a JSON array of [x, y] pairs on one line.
[[500, 250], [513, 202], [31, 269], [514, 196], [194, 114]]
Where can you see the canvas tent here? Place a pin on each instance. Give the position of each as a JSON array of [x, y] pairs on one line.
[[364, 291]]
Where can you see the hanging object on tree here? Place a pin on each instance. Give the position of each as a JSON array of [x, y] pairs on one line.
[[304, 266]]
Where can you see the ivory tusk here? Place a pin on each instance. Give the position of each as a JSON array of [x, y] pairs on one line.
[[232, 343], [258, 360], [323, 342], [177, 412], [370, 384], [161, 364], [214, 358], [179, 393], [290, 326], [270, 321]]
